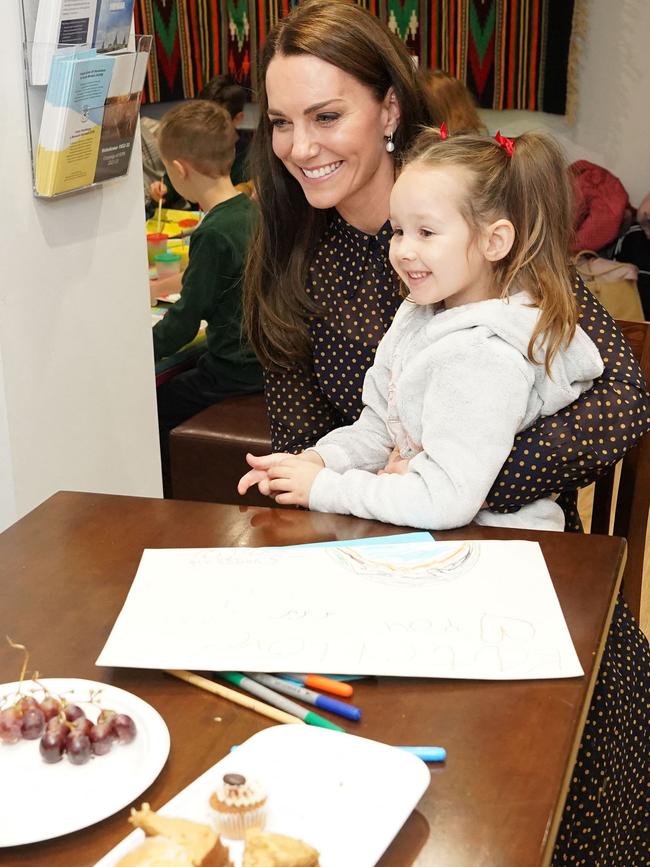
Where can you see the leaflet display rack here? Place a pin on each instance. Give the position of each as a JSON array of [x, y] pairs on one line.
[[82, 107]]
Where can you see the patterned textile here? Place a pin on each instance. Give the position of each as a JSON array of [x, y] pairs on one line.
[[511, 53]]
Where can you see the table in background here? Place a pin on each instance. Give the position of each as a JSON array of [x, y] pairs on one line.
[[66, 569]]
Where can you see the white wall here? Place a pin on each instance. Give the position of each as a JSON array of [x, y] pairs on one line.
[[612, 123], [77, 390]]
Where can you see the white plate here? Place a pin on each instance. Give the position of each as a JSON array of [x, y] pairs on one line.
[[39, 801], [347, 796]]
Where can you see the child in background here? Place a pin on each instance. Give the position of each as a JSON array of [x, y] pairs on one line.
[[485, 342], [222, 90], [197, 145], [449, 102]]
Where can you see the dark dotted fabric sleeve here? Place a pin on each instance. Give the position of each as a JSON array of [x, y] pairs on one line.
[[299, 411], [566, 451], [351, 280]]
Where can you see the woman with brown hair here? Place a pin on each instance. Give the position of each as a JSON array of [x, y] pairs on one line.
[[339, 103]]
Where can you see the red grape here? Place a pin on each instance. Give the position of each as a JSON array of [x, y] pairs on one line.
[[101, 738], [9, 726], [33, 723], [25, 703], [73, 712], [57, 722], [106, 716], [78, 748], [50, 706], [82, 725], [124, 728], [52, 745]]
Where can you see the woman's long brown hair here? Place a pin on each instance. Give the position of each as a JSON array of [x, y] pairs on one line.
[[276, 306]]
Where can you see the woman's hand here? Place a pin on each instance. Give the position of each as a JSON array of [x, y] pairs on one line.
[[157, 191], [290, 480], [261, 464]]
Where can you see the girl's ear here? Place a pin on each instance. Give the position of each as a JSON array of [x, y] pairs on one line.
[[498, 240], [391, 112]]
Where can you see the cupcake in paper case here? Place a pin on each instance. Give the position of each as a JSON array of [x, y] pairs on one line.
[[238, 804]]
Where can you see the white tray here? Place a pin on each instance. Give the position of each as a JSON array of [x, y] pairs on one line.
[[347, 796]]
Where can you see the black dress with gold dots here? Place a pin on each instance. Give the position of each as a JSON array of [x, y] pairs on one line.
[[607, 814]]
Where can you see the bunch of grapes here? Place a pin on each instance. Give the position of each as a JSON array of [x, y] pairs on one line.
[[63, 727]]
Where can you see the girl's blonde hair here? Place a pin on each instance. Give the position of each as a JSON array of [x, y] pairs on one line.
[[531, 188]]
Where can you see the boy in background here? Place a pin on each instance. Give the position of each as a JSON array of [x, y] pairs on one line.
[[197, 146], [223, 90]]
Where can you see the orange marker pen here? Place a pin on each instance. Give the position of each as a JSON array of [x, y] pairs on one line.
[[317, 681]]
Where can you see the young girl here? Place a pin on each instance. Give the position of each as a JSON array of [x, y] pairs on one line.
[[485, 342]]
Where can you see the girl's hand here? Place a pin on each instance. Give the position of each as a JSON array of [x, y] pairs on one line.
[[401, 467], [290, 481], [258, 475], [261, 465], [395, 464]]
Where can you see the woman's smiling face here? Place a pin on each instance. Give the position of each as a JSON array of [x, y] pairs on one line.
[[328, 130]]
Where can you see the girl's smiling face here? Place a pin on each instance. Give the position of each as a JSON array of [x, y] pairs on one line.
[[328, 130], [433, 249]]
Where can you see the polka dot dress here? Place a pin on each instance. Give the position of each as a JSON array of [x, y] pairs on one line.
[[351, 280], [606, 818]]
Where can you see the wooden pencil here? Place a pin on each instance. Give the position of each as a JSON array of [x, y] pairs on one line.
[[160, 204], [234, 696]]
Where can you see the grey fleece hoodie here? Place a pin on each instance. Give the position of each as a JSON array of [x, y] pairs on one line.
[[450, 388]]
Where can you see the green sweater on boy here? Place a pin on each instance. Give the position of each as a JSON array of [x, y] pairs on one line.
[[212, 285]]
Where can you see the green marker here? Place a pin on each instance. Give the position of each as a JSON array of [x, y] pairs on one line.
[[279, 701]]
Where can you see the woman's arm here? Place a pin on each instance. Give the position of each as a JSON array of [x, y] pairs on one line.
[[568, 450], [299, 412]]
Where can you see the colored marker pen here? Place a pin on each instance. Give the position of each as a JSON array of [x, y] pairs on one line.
[[428, 754]]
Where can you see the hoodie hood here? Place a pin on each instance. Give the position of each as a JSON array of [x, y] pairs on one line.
[[513, 320]]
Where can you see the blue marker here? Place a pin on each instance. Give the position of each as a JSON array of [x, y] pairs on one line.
[[349, 711], [428, 754]]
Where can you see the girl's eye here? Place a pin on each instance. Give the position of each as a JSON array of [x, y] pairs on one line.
[[278, 122], [397, 233], [327, 117], [426, 233]]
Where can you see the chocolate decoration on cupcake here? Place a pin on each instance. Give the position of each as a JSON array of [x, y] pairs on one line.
[[234, 780]]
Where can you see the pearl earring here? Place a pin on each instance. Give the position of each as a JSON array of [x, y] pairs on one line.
[[390, 144]]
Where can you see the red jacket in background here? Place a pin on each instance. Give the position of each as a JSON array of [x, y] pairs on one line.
[[600, 204]]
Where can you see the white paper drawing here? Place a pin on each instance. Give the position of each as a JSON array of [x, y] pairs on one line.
[[439, 609]]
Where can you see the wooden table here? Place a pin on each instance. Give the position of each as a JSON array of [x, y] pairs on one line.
[[65, 570]]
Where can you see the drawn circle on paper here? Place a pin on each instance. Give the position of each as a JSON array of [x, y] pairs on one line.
[[441, 563]]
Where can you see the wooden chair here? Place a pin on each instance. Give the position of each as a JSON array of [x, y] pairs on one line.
[[629, 508]]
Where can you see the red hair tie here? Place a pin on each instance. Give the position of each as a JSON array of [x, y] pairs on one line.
[[508, 144], [444, 132]]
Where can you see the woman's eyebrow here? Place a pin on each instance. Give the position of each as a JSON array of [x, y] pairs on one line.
[[316, 107]]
